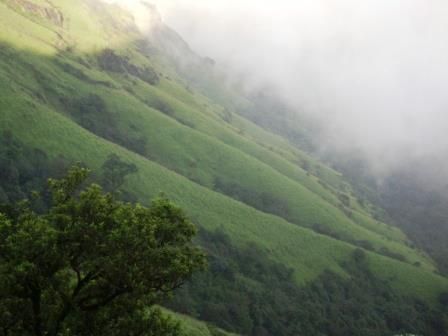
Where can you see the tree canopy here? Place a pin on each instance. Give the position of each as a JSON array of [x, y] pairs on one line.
[[92, 264]]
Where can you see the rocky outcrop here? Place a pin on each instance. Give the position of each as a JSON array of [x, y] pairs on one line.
[[48, 13]]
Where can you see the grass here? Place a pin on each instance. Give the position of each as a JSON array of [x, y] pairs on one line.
[[188, 149], [306, 252], [193, 327]]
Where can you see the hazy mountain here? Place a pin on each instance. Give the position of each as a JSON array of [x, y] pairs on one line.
[[294, 248]]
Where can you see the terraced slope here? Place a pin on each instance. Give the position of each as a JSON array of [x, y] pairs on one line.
[[83, 82]]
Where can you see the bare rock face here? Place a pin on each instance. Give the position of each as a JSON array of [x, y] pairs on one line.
[[47, 13]]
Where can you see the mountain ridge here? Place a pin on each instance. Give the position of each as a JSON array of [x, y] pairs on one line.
[[215, 146], [183, 144]]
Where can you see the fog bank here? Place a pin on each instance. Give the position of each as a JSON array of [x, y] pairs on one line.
[[373, 72]]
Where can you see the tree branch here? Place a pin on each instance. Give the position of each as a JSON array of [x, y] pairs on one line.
[[104, 301], [36, 305], [68, 302]]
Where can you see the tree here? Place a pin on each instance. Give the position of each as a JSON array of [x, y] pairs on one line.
[[115, 171], [92, 265]]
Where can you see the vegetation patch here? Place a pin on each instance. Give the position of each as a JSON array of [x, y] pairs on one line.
[[246, 292], [110, 61], [262, 201], [92, 113]]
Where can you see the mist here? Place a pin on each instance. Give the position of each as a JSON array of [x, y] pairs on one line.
[[373, 73]]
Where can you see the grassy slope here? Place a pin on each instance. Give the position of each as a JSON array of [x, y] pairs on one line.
[[184, 162], [192, 327], [308, 253], [219, 150], [256, 168], [202, 158]]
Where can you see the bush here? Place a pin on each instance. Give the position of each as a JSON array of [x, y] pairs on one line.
[[108, 60]]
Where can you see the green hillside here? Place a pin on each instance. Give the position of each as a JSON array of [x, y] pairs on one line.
[[192, 327], [78, 80]]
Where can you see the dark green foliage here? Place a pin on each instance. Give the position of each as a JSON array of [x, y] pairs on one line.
[[24, 169], [227, 116], [246, 292], [365, 244], [390, 254], [113, 176], [70, 69], [305, 165], [215, 331], [443, 299], [92, 265], [327, 231], [165, 108], [78, 73], [345, 199], [161, 106], [108, 60], [114, 172], [420, 210], [92, 113], [88, 110], [185, 122], [262, 201], [413, 197]]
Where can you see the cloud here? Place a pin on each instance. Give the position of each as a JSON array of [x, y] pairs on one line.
[[144, 18], [373, 72]]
